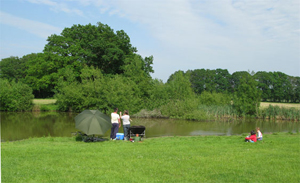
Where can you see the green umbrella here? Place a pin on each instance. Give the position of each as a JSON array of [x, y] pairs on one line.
[[92, 122]]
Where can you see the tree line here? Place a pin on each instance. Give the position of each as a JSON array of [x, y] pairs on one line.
[[95, 67], [274, 86]]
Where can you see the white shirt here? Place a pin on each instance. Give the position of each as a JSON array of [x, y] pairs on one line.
[[125, 119], [114, 118], [259, 134]]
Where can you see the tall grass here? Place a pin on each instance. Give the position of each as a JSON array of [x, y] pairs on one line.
[[166, 159], [224, 112], [282, 113]]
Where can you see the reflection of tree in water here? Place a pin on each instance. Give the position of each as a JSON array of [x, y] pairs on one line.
[[16, 126]]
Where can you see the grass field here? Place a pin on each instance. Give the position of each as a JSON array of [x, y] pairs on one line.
[[44, 105], [43, 101], [164, 159], [288, 105]]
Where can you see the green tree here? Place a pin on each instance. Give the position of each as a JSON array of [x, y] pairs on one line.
[[281, 87], [179, 86], [41, 75], [236, 78], [181, 98], [138, 70], [13, 68], [222, 80], [197, 79], [247, 97], [295, 82], [265, 84], [91, 45], [214, 98], [158, 95], [210, 80]]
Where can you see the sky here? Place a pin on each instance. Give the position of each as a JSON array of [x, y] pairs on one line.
[[237, 35]]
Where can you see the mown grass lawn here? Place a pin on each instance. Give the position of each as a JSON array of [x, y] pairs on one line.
[[164, 159]]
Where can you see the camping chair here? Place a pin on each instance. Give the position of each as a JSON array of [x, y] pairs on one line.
[[140, 130]]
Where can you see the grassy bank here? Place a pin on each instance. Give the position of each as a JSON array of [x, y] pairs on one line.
[[165, 159]]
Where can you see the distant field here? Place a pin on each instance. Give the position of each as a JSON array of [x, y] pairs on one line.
[[43, 101], [266, 104]]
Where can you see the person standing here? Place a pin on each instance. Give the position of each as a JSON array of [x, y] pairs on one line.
[[126, 124], [116, 123]]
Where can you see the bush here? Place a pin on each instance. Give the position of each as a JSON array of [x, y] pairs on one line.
[[246, 98], [207, 98], [15, 96], [179, 108]]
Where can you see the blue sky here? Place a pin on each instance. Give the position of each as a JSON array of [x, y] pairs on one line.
[[237, 35]]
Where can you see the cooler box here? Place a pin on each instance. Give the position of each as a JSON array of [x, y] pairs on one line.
[[120, 136]]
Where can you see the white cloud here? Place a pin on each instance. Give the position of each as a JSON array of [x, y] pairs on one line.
[[37, 28], [61, 6], [238, 35]]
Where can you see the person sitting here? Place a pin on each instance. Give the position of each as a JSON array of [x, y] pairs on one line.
[[259, 134], [252, 137]]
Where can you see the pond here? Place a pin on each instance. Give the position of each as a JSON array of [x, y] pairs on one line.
[[23, 125]]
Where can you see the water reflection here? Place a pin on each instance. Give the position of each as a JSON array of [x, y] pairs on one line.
[[17, 126]]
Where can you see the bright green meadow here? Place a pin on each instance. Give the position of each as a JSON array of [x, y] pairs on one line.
[[163, 159]]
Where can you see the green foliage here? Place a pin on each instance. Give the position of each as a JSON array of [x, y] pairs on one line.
[[237, 78], [122, 93], [214, 98], [180, 108], [179, 86], [181, 98], [92, 45], [97, 91], [93, 66], [281, 86], [283, 113], [210, 80], [196, 115], [135, 70], [247, 97], [158, 95], [13, 68], [265, 84], [41, 74], [15, 96], [218, 111], [76, 47]]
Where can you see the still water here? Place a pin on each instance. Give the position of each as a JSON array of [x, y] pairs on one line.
[[23, 125]]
